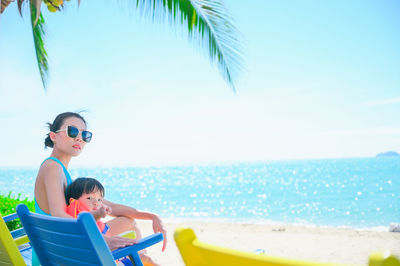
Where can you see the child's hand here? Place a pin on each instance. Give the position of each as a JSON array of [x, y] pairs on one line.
[[101, 212], [107, 209]]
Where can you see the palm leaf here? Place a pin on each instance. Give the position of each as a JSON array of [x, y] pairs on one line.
[[208, 23], [4, 4], [38, 31], [37, 23]]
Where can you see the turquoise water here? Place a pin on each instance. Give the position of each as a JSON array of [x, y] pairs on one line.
[[359, 193]]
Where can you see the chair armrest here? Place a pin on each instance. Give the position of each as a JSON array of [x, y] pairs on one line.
[[21, 240], [142, 244], [10, 217], [18, 232]]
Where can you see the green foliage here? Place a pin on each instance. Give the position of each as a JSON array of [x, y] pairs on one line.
[[38, 30], [208, 24], [8, 205]]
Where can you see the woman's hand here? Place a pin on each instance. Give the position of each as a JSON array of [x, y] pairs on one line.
[[115, 242], [158, 227]]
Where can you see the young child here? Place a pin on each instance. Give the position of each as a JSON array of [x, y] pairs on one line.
[[87, 194]]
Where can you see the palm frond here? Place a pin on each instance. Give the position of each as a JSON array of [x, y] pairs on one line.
[[4, 4], [37, 22], [20, 2], [36, 3], [209, 24]]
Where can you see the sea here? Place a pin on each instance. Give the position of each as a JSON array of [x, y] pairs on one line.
[[359, 193]]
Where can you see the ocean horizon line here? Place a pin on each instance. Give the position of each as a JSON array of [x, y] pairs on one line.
[[200, 163]]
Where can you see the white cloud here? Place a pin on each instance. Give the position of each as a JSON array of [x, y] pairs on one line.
[[383, 102], [380, 131]]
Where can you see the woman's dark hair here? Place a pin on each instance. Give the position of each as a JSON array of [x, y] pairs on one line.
[[57, 125], [83, 185]]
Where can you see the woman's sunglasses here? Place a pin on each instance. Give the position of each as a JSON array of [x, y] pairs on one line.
[[73, 132]]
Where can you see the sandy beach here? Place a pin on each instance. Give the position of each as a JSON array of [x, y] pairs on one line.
[[333, 245]]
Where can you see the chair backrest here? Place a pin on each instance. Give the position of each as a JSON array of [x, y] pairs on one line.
[[197, 253], [383, 259], [9, 253], [63, 241]]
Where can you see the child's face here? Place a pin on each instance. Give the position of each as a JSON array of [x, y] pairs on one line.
[[93, 200]]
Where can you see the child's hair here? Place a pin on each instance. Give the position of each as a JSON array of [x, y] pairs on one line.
[[83, 185]]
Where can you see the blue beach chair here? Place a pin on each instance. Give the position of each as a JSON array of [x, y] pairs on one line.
[[62, 241], [14, 246]]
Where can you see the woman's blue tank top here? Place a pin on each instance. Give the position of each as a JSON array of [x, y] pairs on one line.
[[35, 260], [69, 181]]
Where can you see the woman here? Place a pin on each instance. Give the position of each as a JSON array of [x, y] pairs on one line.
[[68, 136]]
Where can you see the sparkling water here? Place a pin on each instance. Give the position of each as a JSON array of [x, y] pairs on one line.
[[358, 193]]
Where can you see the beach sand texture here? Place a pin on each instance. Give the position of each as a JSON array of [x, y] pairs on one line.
[[328, 244]]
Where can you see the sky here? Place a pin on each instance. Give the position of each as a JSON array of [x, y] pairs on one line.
[[320, 79]]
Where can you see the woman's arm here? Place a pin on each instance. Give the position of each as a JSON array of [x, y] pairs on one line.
[[123, 210]]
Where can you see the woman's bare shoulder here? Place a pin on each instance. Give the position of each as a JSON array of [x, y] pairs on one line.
[[50, 168]]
